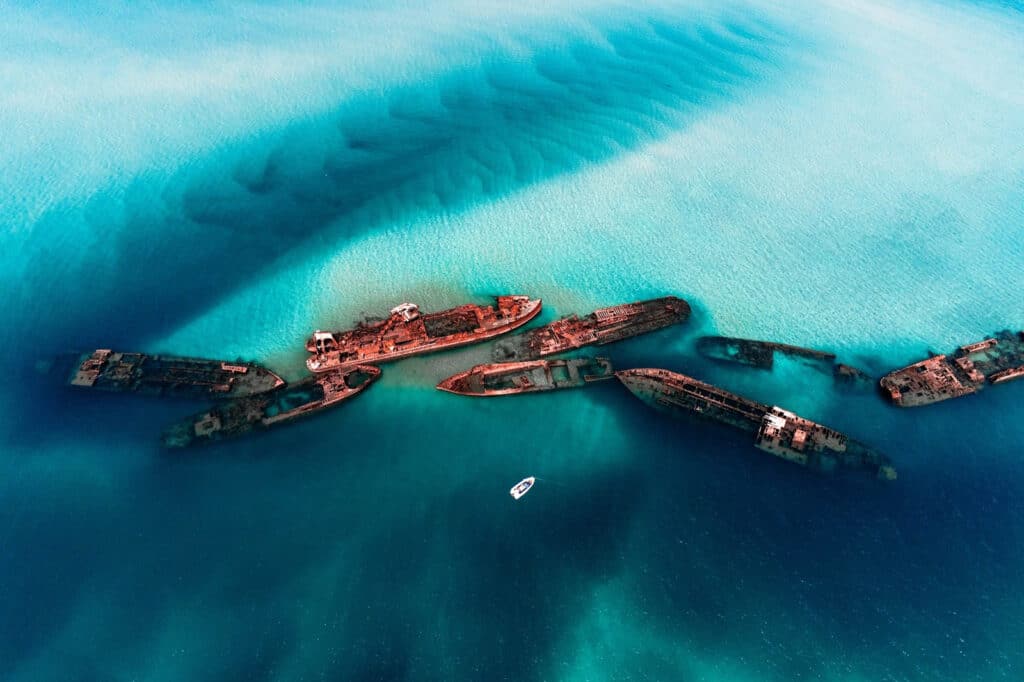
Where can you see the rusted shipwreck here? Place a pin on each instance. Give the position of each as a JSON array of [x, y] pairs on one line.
[[603, 326], [237, 417], [776, 431], [109, 370], [967, 370], [530, 376], [759, 354], [407, 331]]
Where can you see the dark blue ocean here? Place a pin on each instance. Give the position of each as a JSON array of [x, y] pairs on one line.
[[219, 180]]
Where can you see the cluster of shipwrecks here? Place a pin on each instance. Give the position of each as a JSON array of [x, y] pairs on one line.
[[343, 364]]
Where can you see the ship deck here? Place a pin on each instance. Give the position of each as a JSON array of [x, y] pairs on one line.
[[394, 340], [603, 326], [942, 377], [108, 370], [777, 431], [512, 378]]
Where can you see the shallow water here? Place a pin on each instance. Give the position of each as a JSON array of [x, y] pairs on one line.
[[219, 182]]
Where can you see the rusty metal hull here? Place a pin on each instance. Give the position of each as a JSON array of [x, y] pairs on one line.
[[601, 327], [300, 399], [776, 431], [967, 370], [403, 334], [511, 378], [164, 375]]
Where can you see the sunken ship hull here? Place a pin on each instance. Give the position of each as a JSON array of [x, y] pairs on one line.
[[603, 326], [162, 375], [967, 370], [510, 378], [408, 332], [775, 430], [759, 354], [284, 405]]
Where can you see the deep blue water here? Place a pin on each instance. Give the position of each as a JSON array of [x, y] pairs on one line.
[[220, 181]]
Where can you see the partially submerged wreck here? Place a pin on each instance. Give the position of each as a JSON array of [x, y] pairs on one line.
[[967, 370], [237, 417], [164, 375], [759, 354], [776, 431], [530, 376], [600, 327]]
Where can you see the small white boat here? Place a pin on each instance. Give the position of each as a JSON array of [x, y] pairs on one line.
[[523, 487]]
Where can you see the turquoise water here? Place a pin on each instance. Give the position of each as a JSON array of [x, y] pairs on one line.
[[221, 180]]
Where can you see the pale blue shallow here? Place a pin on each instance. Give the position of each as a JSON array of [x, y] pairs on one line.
[[220, 180]]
